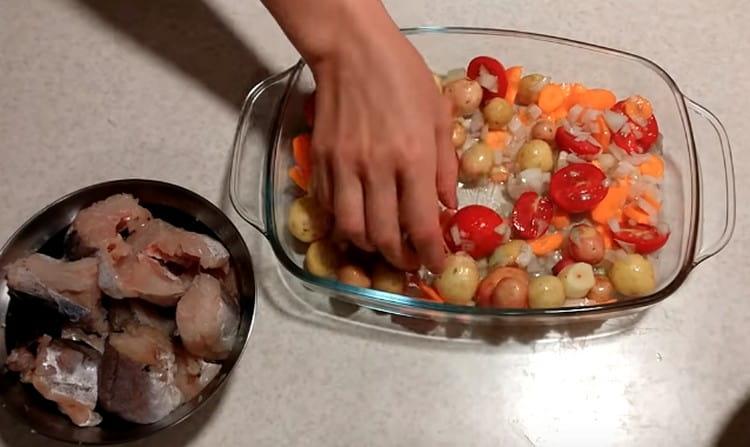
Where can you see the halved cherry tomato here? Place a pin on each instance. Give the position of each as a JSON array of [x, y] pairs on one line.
[[477, 229], [494, 68], [531, 215], [640, 138], [644, 238], [308, 107], [567, 142], [578, 187]]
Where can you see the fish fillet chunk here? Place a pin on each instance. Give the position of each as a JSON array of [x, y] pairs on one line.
[[140, 276], [193, 374], [160, 240], [207, 319], [63, 375], [98, 227], [71, 286], [137, 375], [136, 312]]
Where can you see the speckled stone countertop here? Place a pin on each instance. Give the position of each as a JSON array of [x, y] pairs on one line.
[[91, 91]]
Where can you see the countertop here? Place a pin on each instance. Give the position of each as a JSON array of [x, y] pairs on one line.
[[91, 91]]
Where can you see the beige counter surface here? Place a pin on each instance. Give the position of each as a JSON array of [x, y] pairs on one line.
[[95, 90]]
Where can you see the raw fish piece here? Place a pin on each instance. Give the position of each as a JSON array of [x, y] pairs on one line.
[[207, 319], [63, 375], [98, 227], [139, 276], [161, 240], [193, 374], [137, 375], [71, 286], [77, 334], [136, 312]]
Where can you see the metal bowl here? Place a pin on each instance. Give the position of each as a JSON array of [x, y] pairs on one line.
[[44, 232]]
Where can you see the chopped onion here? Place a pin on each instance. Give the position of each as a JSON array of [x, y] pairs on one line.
[[615, 120], [593, 141], [524, 255], [574, 113], [607, 161], [591, 115], [626, 129], [628, 247], [502, 229], [606, 182], [455, 235], [637, 133], [477, 122], [614, 225], [647, 207], [573, 158], [454, 75], [623, 169], [617, 152], [534, 111], [515, 125], [487, 79]]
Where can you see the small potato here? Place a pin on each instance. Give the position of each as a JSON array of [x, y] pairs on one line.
[[603, 291], [529, 87], [388, 279], [546, 292], [543, 130], [633, 275], [585, 244], [465, 95], [488, 284], [511, 293], [535, 154], [497, 113], [577, 280], [307, 220], [458, 135], [460, 279], [477, 162], [322, 259], [354, 276], [507, 254]]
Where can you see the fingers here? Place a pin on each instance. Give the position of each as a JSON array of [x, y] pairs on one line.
[[419, 209], [320, 184], [348, 207], [383, 230], [447, 162]]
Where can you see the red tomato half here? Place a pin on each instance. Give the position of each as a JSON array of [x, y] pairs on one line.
[[630, 142], [578, 187], [493, 67], [474, 229], [644, 238], [531, 215], [566, 141]]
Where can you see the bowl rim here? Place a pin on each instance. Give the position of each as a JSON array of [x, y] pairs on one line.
[[395, 302], [246, 296]]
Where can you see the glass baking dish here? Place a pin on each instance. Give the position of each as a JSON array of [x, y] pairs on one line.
[[261, 191]]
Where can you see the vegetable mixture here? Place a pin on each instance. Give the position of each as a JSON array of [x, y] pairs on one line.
[[577, 174]]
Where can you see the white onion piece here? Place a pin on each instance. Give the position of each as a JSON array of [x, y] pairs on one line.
[[487, 79], [647, 207], [638, 159], [534, 111], [623, 169], [454, 75], [614, 120], [573, 158], [593, 141], [524, 256], [617, 152], [455, 235], [515, 125], [607, 161], [614, 225], [591, 115], [574, 113], [477, 122]]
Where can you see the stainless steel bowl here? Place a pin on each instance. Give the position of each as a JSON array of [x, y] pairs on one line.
[[172, 203]]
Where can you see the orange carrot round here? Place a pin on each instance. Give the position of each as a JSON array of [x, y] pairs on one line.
[[597, 98], [654, 167], [551, 97], [546, 244], [514, 78]]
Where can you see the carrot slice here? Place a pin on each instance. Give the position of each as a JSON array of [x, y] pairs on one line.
[[429, 293], [631, 211], [638, 109], [559, 113], [551, 97], [612, 204], [606, 234], [651, 201], [546, 244], [299, 177], [560, 219], [654, 167], [603, 136], [496, 139], [597, 98], [514, 78], [301, 147]]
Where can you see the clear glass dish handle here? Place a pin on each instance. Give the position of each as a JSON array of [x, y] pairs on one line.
[[711, 247], [253, 142]]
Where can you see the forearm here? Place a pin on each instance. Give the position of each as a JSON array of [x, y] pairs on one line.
[[320, 29]]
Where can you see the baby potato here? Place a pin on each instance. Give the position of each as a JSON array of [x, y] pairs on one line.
[[322, 259], [577, 279], [511, 293], [307, 220], [528, 89], [388, 279], [585, 244], [497, 113], [490, 282], [465, 95], [477, 162], [535, 154], [602, 291], [354, 276], [546, 292], [460, 279], [458, 135], [543, 130], [633, 275], [507, 254]]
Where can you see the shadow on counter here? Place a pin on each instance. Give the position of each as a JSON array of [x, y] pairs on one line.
[[736, 432]]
